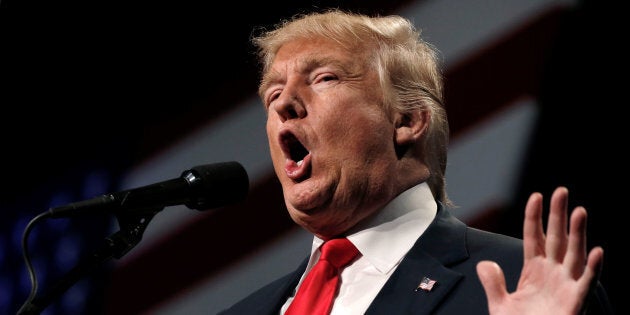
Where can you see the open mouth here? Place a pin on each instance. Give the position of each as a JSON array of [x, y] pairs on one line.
[[297, 166]]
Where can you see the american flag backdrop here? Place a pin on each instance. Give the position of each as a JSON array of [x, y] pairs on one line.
[[93, 105]]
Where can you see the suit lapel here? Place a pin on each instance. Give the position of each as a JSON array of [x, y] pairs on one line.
[[443, 243]]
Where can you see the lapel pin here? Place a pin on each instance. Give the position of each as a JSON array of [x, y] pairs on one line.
[[426, 284]]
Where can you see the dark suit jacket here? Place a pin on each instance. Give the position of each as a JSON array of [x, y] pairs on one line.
[[447, 252]]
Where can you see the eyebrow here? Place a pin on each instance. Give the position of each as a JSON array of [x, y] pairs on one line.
[[307, 65]]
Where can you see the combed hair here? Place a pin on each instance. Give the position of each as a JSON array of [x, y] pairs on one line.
[[408, 68]]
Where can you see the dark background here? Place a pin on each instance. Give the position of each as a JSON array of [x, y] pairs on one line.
[[99, 90]]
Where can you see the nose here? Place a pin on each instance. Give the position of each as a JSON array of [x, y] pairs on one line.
[[289, 106]]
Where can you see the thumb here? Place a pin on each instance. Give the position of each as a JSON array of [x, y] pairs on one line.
[[492, 280]]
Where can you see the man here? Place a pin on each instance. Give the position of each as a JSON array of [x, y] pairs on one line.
[[358, 137]]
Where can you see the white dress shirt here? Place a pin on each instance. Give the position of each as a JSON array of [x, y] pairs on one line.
[[383, 241]]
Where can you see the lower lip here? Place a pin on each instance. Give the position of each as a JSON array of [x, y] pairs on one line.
[[295, 171]]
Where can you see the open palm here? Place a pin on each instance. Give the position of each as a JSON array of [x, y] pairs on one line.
[[557, 274]]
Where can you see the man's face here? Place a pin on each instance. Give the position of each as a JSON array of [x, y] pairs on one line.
[[331, 142]]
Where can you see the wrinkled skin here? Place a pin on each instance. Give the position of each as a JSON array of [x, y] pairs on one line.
[[556, 266], [336, 152], [331, 102]]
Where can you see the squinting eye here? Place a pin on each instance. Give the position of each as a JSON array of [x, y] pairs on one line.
[[328, 77], [272, 97]]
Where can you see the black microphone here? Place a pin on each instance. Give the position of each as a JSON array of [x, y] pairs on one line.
[[201, 188]]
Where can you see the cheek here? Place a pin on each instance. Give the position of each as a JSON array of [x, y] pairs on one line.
[[364, 130], [271, 130], [359, 144]]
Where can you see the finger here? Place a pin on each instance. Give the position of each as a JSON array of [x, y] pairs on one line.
[[492, 280], [575, 260], [594, 264], [557, 239], [533, 234]]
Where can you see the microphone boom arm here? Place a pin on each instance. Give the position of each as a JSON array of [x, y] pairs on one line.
[[201, 187], [117, 245]]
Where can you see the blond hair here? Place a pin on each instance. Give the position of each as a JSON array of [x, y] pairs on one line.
[[408, 69]]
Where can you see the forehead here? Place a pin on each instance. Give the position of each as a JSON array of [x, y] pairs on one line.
[[305, 54]]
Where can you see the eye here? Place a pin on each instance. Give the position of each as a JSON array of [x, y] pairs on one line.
[[325, 77], [272, 96]]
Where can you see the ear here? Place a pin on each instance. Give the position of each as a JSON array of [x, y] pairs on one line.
[[410, 127]]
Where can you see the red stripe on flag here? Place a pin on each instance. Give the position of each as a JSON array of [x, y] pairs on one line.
[[483, 84]]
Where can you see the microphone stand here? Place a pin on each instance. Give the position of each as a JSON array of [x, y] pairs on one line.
[[132, 227]]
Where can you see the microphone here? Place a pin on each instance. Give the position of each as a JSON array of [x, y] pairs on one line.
[[201, 188]]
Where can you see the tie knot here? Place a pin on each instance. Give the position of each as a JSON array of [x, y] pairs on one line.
[[338, 252]]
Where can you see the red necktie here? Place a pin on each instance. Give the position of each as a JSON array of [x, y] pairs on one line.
[[318, 290]]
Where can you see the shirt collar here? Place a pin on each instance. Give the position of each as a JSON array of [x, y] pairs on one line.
[[385, 238]]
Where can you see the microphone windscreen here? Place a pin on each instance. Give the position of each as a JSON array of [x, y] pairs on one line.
[[218, 185]]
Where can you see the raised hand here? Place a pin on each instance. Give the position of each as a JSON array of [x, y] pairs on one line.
[[557, 274]]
